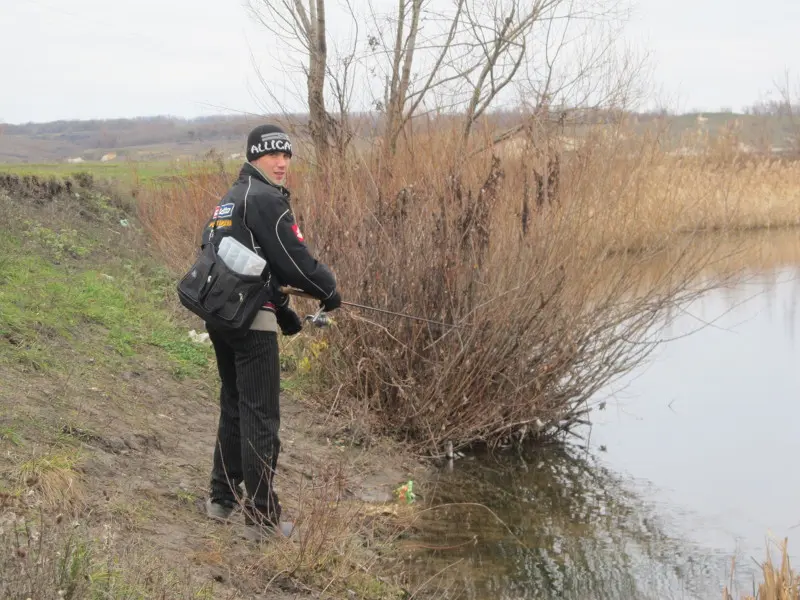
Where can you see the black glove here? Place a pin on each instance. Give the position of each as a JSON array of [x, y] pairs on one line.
[[288, 321], [279, 299], [331, 303]]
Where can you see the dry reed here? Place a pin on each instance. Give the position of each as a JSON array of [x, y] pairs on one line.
[[780, 582]]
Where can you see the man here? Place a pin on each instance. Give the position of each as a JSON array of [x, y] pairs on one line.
[[257, 213]]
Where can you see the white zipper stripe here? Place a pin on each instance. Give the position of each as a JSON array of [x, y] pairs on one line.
[[277, 235], [247, 193], [252, 239]]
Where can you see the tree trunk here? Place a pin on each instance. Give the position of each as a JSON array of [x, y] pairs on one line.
[[318, 56], [401, 73]]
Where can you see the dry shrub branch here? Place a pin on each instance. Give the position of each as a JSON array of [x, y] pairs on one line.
[[545, 289]]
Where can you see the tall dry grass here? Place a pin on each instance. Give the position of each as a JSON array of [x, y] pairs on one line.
[[779, 582], [174, 212], [545, 311], [643, 188], [338, 544], [54, 558]]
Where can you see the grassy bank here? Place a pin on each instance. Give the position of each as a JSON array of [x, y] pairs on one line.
[[54, 310], [107, 424]]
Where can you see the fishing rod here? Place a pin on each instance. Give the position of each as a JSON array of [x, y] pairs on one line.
[[301, 294]]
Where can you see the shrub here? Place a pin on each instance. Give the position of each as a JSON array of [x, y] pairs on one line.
[[543, 301]]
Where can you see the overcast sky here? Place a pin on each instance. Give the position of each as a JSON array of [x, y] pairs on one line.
[[100, 59]]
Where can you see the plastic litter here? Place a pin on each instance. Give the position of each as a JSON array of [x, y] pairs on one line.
[[405, 493], [199, 338]]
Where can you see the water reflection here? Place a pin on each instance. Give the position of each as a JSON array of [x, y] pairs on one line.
[[712, 419], [687, 466], [575, 529]]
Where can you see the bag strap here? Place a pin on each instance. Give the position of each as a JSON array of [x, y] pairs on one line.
[[214, 228]]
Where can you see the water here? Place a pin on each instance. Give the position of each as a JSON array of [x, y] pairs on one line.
[[693, 462]]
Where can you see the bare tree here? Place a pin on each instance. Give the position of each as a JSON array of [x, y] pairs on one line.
[[404, 92], [501, 46], [573, 64], [471, 56], [408, 15], [783, 112], [340, 78], [450, 56], [302, 24]]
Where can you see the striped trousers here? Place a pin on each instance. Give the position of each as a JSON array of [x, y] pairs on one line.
[[247, 444]]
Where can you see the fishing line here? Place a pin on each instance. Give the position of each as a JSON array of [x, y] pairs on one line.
[[294, 292]]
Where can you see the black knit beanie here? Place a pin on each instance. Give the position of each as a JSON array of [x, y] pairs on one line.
[[266, 139]]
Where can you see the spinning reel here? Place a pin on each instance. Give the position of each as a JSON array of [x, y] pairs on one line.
[[319, 319]]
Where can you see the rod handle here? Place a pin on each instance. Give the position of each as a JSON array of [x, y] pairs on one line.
[[294, 292]]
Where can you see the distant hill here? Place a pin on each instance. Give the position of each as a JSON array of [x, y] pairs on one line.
[[145, 138], [157, 138]]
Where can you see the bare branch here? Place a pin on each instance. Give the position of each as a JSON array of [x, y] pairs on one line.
[[445, 48]]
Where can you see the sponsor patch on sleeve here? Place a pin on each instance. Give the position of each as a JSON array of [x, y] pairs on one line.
[[297, 232], [225, 211], [220, 223]]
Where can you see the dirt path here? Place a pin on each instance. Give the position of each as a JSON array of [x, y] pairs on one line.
[[145, 443]]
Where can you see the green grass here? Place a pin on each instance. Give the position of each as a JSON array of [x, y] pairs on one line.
[[184, 497], [58, 244], [10, 434], [107, 308], [122, 172]]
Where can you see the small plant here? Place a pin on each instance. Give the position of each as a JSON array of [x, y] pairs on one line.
[[54, 476], [328, 549], [9, 434], [84, 179], [60, 244], [186, 497], [405, 493], [41, 558], [311, 354]]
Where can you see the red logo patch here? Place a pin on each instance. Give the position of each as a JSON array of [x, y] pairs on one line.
[[216, 213], [297, 232]]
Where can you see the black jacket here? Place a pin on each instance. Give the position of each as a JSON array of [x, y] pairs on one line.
[[258, 214]]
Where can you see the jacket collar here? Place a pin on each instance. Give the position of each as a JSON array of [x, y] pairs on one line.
[[250, 170]]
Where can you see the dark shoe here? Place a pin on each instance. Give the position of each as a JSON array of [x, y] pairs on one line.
[[218, 511], [261, 533], [285, 529]]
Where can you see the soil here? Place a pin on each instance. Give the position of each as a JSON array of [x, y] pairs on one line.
[[147, 442]]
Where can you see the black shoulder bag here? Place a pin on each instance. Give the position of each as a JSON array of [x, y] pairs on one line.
[[223, 298]]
